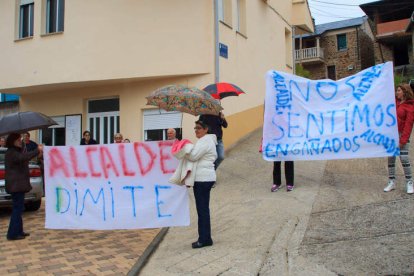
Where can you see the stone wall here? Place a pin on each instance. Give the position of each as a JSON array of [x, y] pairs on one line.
[[383, 54], [366, 49], [360, 54]]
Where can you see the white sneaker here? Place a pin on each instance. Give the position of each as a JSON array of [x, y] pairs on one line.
[[390, 186], [410, 188]]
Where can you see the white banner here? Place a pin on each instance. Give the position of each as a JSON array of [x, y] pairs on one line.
[[117, 186], [354, 117]]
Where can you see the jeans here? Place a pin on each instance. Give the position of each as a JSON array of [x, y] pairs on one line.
[[16, 221], [220, 153], [277, 175], [202, 200]]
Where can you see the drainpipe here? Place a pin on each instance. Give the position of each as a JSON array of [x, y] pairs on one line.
[[216, 43]]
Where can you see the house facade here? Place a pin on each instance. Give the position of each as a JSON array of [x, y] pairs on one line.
[[390, 20], [90, 64], [336, 50]]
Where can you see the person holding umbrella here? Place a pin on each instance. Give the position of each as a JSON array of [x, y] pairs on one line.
[[219, 91], [17, 180], [215, 126], [204, 154]]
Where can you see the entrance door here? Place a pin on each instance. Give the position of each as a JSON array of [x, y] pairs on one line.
[[331, 72], [401, 54], [103, 119]]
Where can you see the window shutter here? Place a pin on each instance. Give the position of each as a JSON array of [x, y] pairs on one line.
[[161, 119]]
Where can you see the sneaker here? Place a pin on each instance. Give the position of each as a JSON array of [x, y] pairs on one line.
[[390, 186], [289, 188], [275, 188], [410, 188]]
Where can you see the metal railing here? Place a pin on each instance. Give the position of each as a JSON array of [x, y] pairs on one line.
[[309, 53]]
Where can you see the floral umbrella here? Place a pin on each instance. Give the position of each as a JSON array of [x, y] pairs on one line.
[[185, 99]]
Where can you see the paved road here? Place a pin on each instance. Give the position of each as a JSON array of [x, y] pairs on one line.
[[66, 252], [337, 221]]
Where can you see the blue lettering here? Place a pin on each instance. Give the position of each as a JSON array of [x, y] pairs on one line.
[[394, 120], [101, 192], [319, 126], [132, 188], [293, 127], [158, 201], [59, 200], [360, 115], [327, 87], [381, 118]]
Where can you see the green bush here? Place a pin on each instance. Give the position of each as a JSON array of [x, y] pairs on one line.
[[300, 71]]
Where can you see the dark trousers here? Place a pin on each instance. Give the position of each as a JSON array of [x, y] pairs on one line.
[[202, 200], [16, 221], [277, 175]]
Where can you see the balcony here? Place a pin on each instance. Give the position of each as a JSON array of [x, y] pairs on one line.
[[309, 55]]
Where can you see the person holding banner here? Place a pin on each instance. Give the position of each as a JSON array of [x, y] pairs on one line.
[[204, 154], [277, 176], [405, 119], [17, 180]]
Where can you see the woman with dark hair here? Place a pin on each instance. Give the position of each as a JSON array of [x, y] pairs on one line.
[[405, 119], [204, 154], [17, 179], [87, 139]]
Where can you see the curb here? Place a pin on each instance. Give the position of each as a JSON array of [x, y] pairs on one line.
[[142, 260]]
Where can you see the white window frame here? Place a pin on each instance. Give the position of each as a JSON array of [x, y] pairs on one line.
[[30, 21], [61, 124], [170, 119], [48, 20], [102, 115]]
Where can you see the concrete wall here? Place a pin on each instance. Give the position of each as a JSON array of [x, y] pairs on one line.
[[128, 49], [104, 40]]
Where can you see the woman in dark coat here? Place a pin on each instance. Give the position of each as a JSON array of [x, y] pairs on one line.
[[17, 182]]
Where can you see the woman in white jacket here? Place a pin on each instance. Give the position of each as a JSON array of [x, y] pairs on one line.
[[204, 154]]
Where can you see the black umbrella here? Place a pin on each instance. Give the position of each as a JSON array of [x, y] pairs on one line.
[[24, 121]]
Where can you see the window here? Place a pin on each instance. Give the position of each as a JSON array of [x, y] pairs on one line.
[[331, 72], [224, 11], [341, 42], [54, 135], [157, 122], [55, 15], [241, 16], [26, 18], [103, 119]]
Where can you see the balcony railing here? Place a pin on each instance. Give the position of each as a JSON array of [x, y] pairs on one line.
[[309, 54]]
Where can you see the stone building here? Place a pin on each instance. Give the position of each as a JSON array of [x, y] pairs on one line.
[[336, 50], [390, 20]]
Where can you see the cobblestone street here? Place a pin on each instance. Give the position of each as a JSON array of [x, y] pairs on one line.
[[68, 252]]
